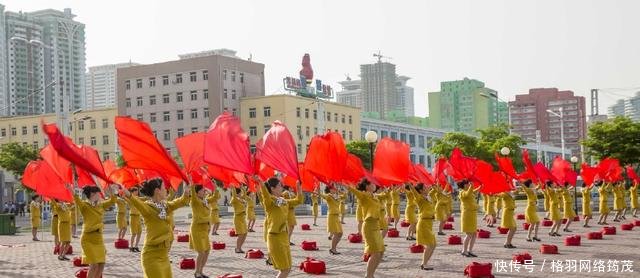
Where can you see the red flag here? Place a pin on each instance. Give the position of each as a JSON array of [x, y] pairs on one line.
[[220, 173], [227, 145], [264, 172], [309, 181], [506, 166], [543, 173], [422, 175], [438, 171], [463, 166], [529, 172], [588, 174], [353, 171], [191, 150], [610, 170], [277, 148], [109, 166], [484, 173], [141, 149], [84, 178], [124, 176], [391, 161], [632, 174], [41, 176], [60, 166], [327, 157], [199, 176], [29, 176]]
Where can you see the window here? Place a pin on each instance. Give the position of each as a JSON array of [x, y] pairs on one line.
[[350, 135], [412, 140], [165, 80], [306, 131], [252, 148], [412, 157], [253, 131], [205, 92], [180, 132], [206, 112], [233, 94], [179, 97], [299, 149], [152, 81], [105, 139], [205, 75], [384, 133], [193, 77], [233, 76], [93, 141], [105, 123], [267, 111], [92, 124], [152, 117], [35, 129], [315, 131], [241, 77], [194, 129], [152, 100], [421, 145], [165, 116], [3, 132], [315, 114], [14, 131], [403, 137], [344, 135], [138, 101], [298, 112], [35, 145], [138, 83], [335, 117], [252, 112], [349, 119], [81, 140], [180, 115], [233, 112], [394, 135], [299, 131], [224, 74], [155, 134], [306, 113], [127, 85], [421, 159], [139, 117], [24, 130], [194, 113], [127, 102], [225, 93], [194, 95], [80, 125], [342, 118], [328, 116], [166, 135], [266, 128], [179, 78]]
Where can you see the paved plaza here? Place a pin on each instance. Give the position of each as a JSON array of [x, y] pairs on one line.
[[21, 257]]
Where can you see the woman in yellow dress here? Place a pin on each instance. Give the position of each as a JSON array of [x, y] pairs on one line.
[[468, 211], [485, 207], [334, 226], [212, 200], [425, 235], [498, 206], [64, 229], [387, 206], [159, 232], [568, 204], [491, 211], [410, 212], [603, 200], [92, 210], [384, 197], [633, 194], [276, 209], [134, 222], [35, 214], [442, 208], [121, 217], [343, 207], [554, 208], [251, 210], [314, 208], [395, 206], [239, 205], [372, 210], [199, 230], [531, 212], [619, 205], [508, 220], [291, 216], [74, 220], [586, 205], [54, 222], [546, 203]]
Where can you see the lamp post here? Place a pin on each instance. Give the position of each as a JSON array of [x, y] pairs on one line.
[[505, 151], [371, 137], [561, 116], [574, 162]]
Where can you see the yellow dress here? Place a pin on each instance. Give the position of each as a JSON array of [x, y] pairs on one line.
[[545, 195], [343, 204], [93, 250], [384, 200], [333, 215], [199, 230], [372, 211], [491, 207], [134, 219], [586, 201], [36, 214], [212, 199], [449, 203], [395, 204], [314, 205], [276, 229], [239, 212], [469, 209], [603, 197], [251, 207], [424, 230], [569, 211], [554, 204], [485, 204], [633, 193], [121, 218], [74, 215], [531, 212], [64, 222], [508, 207], [498, 205], [410, 209], [159, 235], [54, 217], [441, 206], [387, 204], [359, 213], [618, 197]]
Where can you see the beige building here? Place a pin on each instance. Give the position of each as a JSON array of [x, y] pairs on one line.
[[184, 96], [94, 128], [304, 117]]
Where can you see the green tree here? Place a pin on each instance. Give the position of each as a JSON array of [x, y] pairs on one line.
[[14, 157], [618, 138], [361, 150], [444, 146]]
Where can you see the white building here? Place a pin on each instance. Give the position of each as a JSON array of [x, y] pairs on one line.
[[101, 85], [405, 94], [629, 107], [351, 93], [617, 109]]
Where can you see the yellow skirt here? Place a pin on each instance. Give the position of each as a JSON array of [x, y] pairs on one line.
[[199, 237], [291, 218], [410, 214], [64, 231], [155, 261], [373, 242], [314, 210], [240, 223], [531, 215], [554, 212], [546, 203], [441, 212], [54, 225], [215, 217], [359, 214], [382, 222], [333, 223], [469, 223], [395, 211], [279, 250], [569, 212], [507, 220], [619, 204], [586, 207], [604, 208], [35, 222], [74, 216], [251, 215], [424, 232], [121, 220], [634, 202], [343, 208], [93, 250], [136, 225]]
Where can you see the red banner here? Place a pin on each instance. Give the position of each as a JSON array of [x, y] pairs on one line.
[[277, 148], [227, 145], [391, 164]]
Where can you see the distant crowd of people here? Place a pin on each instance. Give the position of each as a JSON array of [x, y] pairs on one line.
[[14, 208]]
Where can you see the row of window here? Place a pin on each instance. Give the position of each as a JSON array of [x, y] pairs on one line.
[[403, 137], [166, 115], [166, 133], [193, 77], [166, 98], [253, 131], [266, 112], [35, 129], [93, 141]]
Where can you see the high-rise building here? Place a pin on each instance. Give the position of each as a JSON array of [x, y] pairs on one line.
[[405, 95], [351, 93], [617, 109], [185, 96], [101, 85], [529, 113], [629, 107], [464, 105]]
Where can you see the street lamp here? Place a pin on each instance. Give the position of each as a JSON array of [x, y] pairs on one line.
[[574, 161], [561, 116], [505, 151], [371, 137]]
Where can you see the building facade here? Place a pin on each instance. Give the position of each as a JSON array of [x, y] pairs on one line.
[[629, 107], [351, 93], [529, 113], [617, 109], [304, 117], [101, 85], [185, 96], [464, 106], [405, 95]]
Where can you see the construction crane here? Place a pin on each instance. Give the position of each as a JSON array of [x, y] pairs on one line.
[[380, 56]]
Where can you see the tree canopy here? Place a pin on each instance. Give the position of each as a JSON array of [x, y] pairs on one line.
[[361, 150], [14, 157], [617, 138]]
